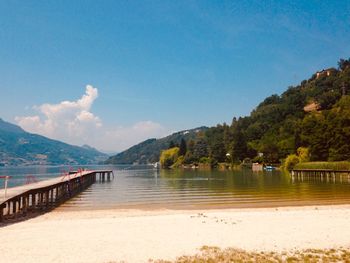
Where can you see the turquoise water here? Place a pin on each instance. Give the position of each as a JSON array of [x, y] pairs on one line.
[[145, 187]]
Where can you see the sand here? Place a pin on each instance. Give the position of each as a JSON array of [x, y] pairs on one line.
[[137, 236]]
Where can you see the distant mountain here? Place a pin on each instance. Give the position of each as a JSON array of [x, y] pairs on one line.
[[88, 147], [18, 147], [9, 127], [148, 151]]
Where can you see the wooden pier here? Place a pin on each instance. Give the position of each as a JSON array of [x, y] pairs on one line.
[[319, 173], [43, 196]]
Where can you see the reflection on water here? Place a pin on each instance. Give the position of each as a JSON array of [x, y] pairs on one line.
[[144, 187]]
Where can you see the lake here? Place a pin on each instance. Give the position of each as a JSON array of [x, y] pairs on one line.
[[147, 188]]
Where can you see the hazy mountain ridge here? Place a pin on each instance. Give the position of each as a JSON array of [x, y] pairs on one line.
[[18, 147], [148, 151]]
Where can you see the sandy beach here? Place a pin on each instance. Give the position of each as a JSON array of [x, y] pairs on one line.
[[137, 236]]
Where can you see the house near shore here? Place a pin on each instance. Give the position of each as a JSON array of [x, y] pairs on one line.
[[325, 72], [257, 167]]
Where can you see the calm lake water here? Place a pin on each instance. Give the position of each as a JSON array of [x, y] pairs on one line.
[[145, 187]]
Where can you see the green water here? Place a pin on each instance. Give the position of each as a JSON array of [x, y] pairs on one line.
[[191, 189], [147, 188]]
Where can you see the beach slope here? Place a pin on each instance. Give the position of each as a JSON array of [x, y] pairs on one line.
[[137, 236]]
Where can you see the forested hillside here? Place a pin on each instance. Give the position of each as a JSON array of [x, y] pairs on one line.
[[314, 114], [18, 147]]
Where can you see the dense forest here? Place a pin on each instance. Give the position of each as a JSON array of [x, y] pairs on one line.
[[314, 115]]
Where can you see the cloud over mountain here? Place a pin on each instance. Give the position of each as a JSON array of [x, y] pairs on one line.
[[65, 120], [73, 122]]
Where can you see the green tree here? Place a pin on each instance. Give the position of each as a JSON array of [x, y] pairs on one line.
[[183, 147], [339, 130], [200, 149], [215, 139], [303, 154], [168, 157], [188, 159], [315, 136], [291, 161], [238, 147], [343, 64], [171, 145], [270, 151]]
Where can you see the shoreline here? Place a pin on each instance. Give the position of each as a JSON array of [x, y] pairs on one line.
[[208, 207], [134, 235]]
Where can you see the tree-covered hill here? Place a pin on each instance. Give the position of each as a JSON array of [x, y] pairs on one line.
[[18, 147], [149, 150], [314, 114]]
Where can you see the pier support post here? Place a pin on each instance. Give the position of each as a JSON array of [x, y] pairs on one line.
[[14, 207], [49, 196], [1, 214]]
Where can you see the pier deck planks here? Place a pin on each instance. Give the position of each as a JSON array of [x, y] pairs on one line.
[[45, 195]]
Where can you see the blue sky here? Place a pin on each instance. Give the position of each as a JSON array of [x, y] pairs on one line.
[[157, 66]]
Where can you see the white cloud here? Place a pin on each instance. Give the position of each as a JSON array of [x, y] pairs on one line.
[[130, 135], [74, 123], [67, 120]]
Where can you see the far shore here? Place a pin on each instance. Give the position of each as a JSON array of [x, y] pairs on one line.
[[133, 235]]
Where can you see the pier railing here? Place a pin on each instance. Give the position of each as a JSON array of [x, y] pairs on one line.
[[18, 202], [320, 173]]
